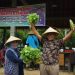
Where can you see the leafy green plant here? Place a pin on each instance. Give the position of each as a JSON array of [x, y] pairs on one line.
[[33, 18], [72, 25], [29, 54]]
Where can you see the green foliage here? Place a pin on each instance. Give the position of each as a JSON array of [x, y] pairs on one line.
[[22, 35], [1, 35], [7, 34], [29, 54], [33, 18], [41, 31], [71, 42], [61, 33]]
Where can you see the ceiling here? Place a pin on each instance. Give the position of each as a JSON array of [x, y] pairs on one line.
[[58, 12]]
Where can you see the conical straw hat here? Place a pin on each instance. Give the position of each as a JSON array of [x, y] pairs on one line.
[[11, 39], [30, 32], [50, 30]]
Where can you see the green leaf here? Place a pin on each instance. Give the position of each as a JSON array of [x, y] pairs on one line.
[[28, 54], [71, 24], [33, 18]]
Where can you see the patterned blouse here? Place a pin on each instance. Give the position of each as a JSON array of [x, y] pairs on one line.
[[50, 53]]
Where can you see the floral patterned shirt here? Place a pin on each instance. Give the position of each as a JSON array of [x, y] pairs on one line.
[[50, 53]]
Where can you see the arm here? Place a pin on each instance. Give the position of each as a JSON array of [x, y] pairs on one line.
[[35, 31], [68, 36], [11, 56]]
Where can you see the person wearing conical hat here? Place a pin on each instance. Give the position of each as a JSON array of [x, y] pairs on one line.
[[32, 40], [12, 39], [30, 33], [13, 64], [51, 47]]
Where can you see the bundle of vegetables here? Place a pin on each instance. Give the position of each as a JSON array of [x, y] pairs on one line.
[[33, 18], [72, 25], [29, 54]]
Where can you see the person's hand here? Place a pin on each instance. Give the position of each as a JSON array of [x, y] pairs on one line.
[[31, 24]]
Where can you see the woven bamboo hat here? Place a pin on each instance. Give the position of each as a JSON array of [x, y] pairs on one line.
[[11, 39], [51, 30], [30, 32]]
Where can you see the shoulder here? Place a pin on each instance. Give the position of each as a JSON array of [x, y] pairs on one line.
[[9, 50], [9, 53]]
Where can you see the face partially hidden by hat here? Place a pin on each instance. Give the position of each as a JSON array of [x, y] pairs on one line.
[[50, 33], [13, 41]]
